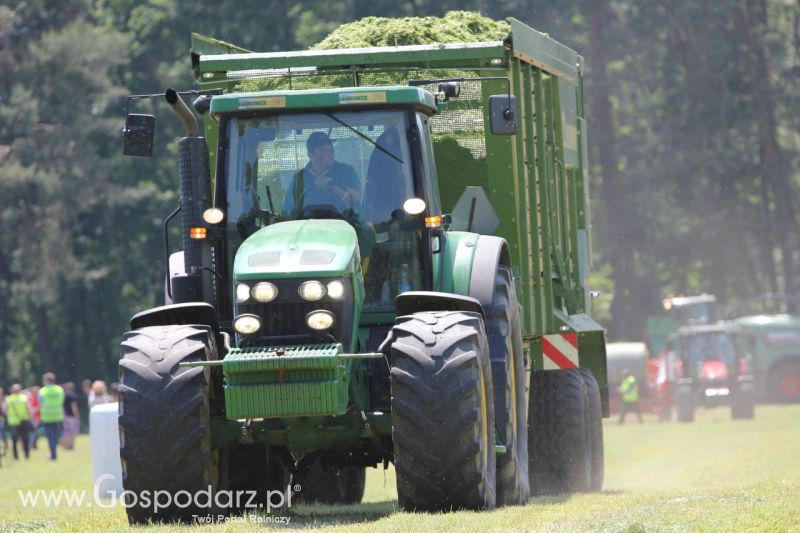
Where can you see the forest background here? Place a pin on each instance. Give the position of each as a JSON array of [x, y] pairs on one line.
[[694, 152]]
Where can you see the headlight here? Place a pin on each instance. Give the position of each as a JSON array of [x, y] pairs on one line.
[[242, 292], [319, 320], [213, 215], [246, 324], [336, 289], [265, 292], [312, 291]]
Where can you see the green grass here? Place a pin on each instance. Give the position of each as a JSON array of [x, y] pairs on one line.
[[713, 475]]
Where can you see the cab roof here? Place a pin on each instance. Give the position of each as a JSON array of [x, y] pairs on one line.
[[345, 97]]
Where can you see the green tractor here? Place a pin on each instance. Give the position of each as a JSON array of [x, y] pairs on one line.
[[418, 299]]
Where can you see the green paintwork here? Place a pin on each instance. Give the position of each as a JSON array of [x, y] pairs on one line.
[[324, 98], [287, 381], [775, 341], [453, 272], [290, 239]]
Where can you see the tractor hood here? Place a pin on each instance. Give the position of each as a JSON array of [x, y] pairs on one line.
[[298, 248]]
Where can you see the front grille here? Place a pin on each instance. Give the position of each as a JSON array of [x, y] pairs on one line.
[[284, 318]]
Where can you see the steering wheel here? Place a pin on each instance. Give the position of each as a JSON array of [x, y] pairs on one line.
[[321, 211]]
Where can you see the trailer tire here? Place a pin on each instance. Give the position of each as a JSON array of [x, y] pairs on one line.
[[596, 432], [508, 380], [443, 428], [332, 485], [164, 420], [559, 433]]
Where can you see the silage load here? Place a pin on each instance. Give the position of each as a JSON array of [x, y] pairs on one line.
[[453, 27]]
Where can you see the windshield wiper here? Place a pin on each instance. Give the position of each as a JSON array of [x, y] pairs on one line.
[[351, 128]]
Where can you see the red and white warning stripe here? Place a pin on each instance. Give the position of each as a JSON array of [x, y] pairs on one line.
[[560, 351]]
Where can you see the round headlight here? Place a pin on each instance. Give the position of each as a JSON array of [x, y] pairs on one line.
[[319, 320], [414, 206], [336, 289], [242, 292], [213, 215], [312, 291], [265, 292], [246, 324]]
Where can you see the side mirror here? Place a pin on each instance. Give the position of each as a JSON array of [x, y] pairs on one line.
[[503, 114], [137, 137]]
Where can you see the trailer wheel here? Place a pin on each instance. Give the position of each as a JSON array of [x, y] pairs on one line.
[[559, 443], [443, 428], [684, 403], [164, 425], [596, 431], [508, 380], [331, 485]]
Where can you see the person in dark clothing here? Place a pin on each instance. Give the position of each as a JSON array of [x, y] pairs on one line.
[[72, 417], [323, 181]]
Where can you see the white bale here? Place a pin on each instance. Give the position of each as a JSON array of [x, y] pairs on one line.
[[104, 433]]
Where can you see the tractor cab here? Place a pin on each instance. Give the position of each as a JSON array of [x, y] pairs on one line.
[[361, 157]]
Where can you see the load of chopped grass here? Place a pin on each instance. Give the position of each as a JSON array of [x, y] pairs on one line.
[[453, 27]]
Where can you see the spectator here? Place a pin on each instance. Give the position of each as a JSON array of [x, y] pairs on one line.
[[630, 396], [114, 392], [99, 394], [36, 418], [51, 400], [72, 414], [19, 419], [3, 421]]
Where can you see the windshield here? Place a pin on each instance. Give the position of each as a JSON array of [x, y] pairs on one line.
[[354, 166], [711, 347]]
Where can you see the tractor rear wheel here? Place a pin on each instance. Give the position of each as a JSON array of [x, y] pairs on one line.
[[164, 424], [559, 442], [253, 469], [443, 428], [684, 403], [596, 430], [743, 401], [331, 485], [508, 380]]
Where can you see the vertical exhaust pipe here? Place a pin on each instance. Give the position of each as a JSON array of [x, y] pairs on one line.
[[195, 188]]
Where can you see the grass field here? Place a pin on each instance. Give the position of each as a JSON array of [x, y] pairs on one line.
[[713, 475]]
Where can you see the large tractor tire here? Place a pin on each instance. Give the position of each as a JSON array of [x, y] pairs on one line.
[[328, 483], [596, 430], [743, 401], [684, 403], [784, 381], [559, 442], [443, 427], [508, 380], [164, 424]]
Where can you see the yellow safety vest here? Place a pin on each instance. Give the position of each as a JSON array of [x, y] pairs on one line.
[[18, 409], [630, 390], [51, 408]]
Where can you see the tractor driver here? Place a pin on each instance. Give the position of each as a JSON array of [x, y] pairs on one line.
[[323, 181]]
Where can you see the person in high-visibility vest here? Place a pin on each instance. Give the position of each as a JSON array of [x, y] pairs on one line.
[[51, 409], [19, 419], [629, 389]]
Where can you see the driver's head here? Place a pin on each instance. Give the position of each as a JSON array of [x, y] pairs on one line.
[[320, 151]]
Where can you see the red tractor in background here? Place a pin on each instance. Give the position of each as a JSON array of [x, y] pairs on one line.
[[712, 369]]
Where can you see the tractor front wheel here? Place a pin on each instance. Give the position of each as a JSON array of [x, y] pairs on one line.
[[443, 428], [164, 424]]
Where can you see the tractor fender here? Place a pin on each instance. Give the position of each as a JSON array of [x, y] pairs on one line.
[[177, 314], [419, 301], [490, 252]]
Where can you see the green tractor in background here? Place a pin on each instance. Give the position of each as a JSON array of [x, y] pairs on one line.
[[433, 316]]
